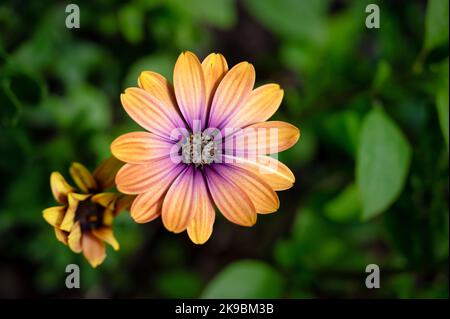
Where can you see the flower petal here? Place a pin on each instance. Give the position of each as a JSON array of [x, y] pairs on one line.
[[82, 177], [150, 113], [189, 83], [201, 226], [104, 199], [232, 92], [139, 178], [93, 249], [106, 234], [263, 138], [74, 239], [105, 173], [214, 68], [260, 193], [108, 217], [54, 215], [147, 207], [179, 202], [62, 236], [140, 147], [60, 188], [158, 86], [272, 171], [262, 103], [230, 199], [69, 217]]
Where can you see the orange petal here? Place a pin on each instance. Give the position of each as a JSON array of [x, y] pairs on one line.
[[61, 236], [105, 173], [106, 234], [147, 207], [139, 178], [60, 188], [262, 103], [74, 239], [230, 199], [214, 68], [272, 171], [157, 85], [54, 215], [201, 226], [260, 193], [179, 202], [189, 84], [263, 138], [232, 92], [82, 177], [140, 147], [150, 113], [93, 249]]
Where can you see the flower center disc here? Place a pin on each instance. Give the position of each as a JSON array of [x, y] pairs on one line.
[[199, 149], [90, 215]]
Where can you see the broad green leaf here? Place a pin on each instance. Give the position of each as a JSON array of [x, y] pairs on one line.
[[382, 163], [346, 206], [436, 23], [246, 279]]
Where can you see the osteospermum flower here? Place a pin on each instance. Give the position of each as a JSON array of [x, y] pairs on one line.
[[83, 221], [195, 157]]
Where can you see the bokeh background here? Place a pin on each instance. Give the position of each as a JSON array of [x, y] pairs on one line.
[[371, 165]]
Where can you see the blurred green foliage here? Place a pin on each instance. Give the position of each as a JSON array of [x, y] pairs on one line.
[[371, 166]]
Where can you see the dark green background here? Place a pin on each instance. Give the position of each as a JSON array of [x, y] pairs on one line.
[[371, 165]]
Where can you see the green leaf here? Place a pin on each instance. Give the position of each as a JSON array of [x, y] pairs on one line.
[[442, 97], [382, 75], [346, 206], [443, 107], [131, 20], [436, 24], [246, 279], [382, 163]]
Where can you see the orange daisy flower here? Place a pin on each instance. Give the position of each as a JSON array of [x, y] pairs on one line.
[[205, 147], [84, 219]]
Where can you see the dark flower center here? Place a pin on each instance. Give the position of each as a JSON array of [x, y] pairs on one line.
[[90, 215], [199, 149]]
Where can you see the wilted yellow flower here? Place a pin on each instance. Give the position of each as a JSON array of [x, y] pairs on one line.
[[84, 219]]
